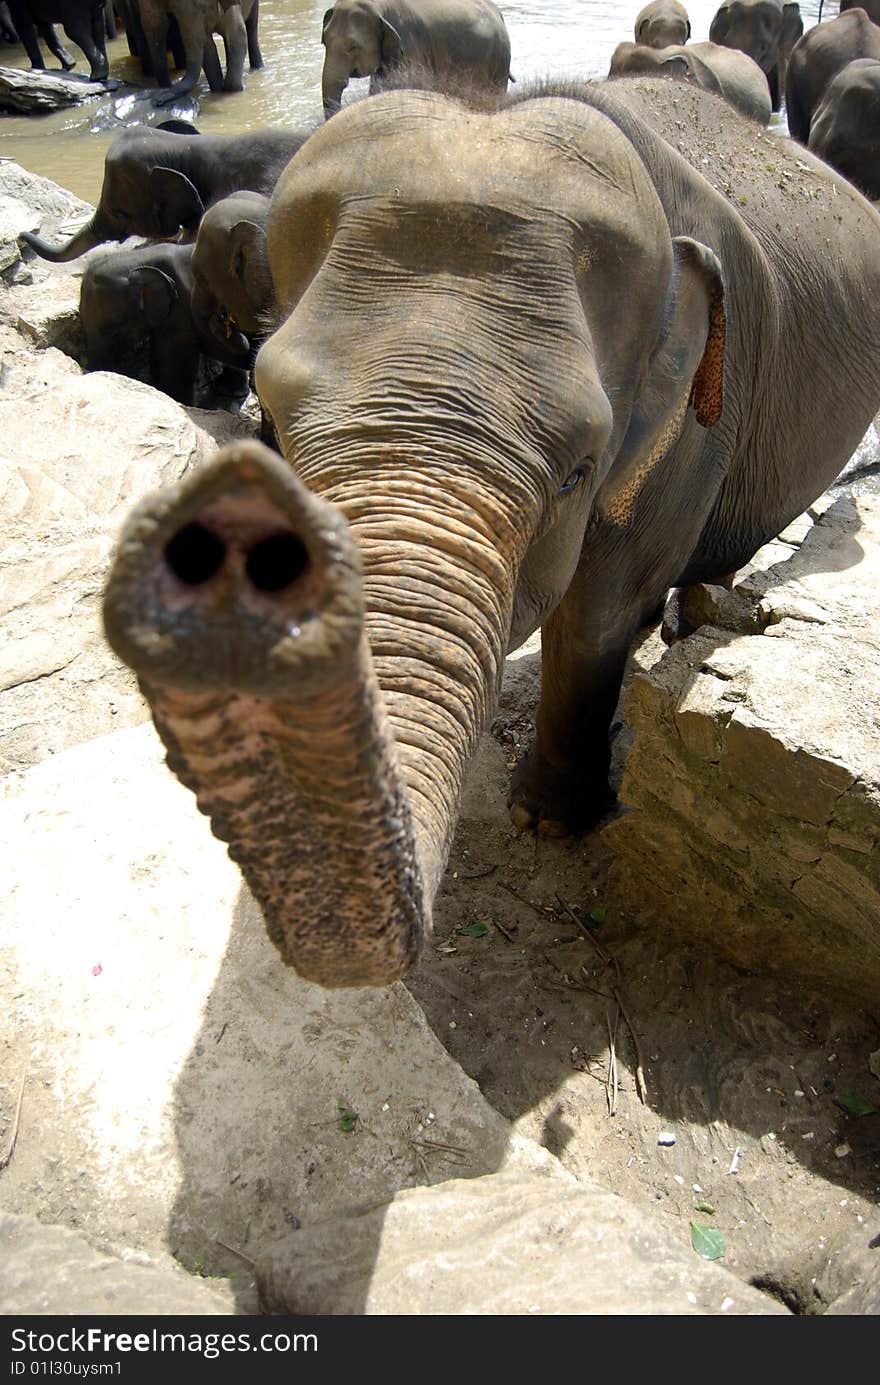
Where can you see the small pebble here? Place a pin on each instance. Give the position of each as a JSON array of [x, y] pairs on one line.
[[666, 1137], [841, 1151], [678, 1178], [726, 1303]]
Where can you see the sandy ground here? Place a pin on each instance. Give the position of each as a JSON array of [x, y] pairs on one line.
[[746, 1074]]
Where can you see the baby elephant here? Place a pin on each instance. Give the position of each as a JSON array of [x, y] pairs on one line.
[[232, 292], [137, 319], [727, 72], [661, 23]]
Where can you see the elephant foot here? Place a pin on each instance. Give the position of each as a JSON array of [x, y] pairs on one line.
[[99, 73], [233, 84], [557, 802], [67, 62]]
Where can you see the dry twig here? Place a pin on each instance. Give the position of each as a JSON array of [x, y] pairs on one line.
[[13, 1134]]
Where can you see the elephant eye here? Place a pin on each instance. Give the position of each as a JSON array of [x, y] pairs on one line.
[[573, 481]]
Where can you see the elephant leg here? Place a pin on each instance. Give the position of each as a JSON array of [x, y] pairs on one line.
[[211, 65], [155, 30], [773, 83], [631, 557], [561, 784], [192, 32], [28, 36], [235, 41], [255, 56]]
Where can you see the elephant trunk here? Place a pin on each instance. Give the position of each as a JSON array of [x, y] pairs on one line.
[[333, 84], [237, 598], [86, 238]]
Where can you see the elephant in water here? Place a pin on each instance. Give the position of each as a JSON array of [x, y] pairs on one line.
[[197, 21], [662, 23], [372, 38], [816, 60], [158, 181], [531, 366], [726, 71], [765, 29], [82, 22], [845, 129]]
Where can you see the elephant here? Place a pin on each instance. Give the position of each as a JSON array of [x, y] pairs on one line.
[[871, 8], [372, 38], [82, 22], [232, 293], [140, 299], [158, 181], [726, 71], [531, 366], [235, 21], [845, 129], [662, 23], [816, 60], [765, 29]]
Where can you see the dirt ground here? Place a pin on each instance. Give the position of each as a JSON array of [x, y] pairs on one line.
[[746, 1073]]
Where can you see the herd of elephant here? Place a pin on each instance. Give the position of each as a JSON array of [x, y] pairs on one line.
[[531, 360]]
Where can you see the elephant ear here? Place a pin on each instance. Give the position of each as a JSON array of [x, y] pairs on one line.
[[686, 368], [247, 259], [328, 15], [390, 45], [678, 67], [157, 293], [177, 201]]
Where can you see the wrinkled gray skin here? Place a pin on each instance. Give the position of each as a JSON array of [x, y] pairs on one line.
[[816, 60], [765, 29], [497, 379], [157, 182], [372, 38], [661, 23], [232, 294], [845, 129], [142, 297], [725, 71]]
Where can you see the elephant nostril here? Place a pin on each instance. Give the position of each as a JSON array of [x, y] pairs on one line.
[[275, 563], [195, 555]]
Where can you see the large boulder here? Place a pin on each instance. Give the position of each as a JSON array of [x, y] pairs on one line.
[[753, 781], [506, 1244]]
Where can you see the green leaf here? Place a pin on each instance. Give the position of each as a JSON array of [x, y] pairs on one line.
[[348, 1119], [855, 1104], [477, 929], [598, 914], [704, 1207], [707, 1241]]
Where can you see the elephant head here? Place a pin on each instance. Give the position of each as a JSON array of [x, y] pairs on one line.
[[766, 30], [143, 194], [638, 59], [455, 390], [232, 293], [358, 42], [662, 23]]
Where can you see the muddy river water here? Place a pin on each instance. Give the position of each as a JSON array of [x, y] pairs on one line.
[[548, 38]]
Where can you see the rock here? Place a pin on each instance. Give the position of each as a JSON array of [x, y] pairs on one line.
[[184, 1091], [31, 91], [75, 452], [503, 1244], [48, 1270], [753, 781], [15, 216]]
